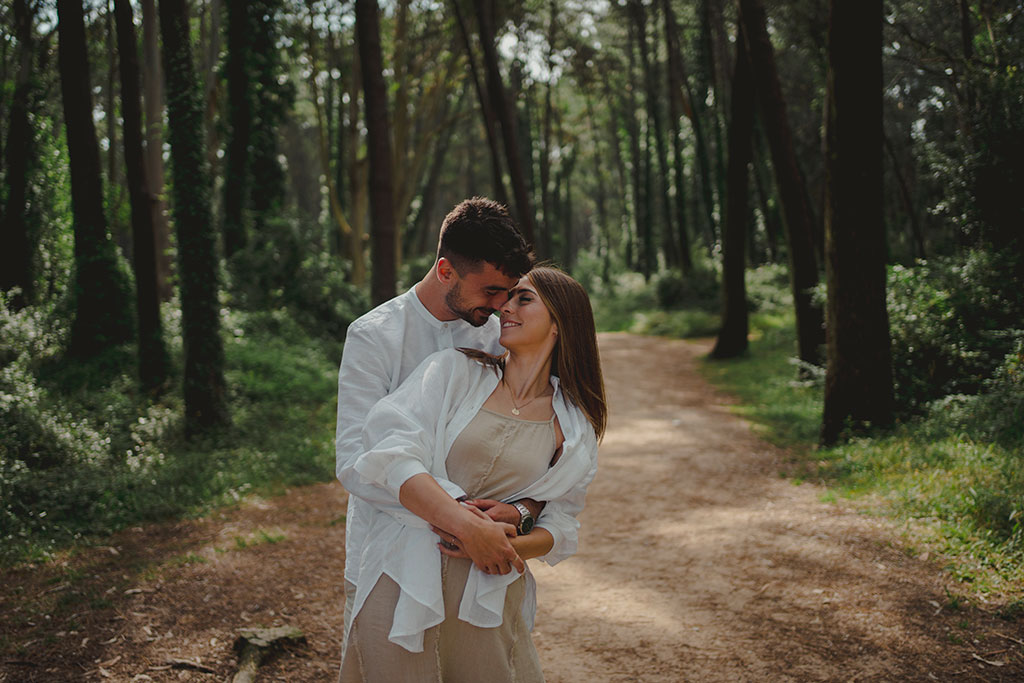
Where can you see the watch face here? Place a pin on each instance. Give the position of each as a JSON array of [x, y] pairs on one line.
[[526, 525]]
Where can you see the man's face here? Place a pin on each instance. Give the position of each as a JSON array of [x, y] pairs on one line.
[[475, 296]]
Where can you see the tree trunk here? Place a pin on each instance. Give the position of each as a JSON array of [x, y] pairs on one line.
[[102, 307], [205, 398], [641, 258], [858, 381], [153, 360], [546, 245], [677, 104], [668, 236], [357, 179], [240, 110], [16, 256], [152, 85], [211, 82], [682, 101], [110, 91], [499, 101], [383, 239], [732, 337], [490, 120], [799, 222]]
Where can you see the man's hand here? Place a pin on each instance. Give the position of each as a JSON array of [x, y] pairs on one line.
[[496, 510], [505, 512]]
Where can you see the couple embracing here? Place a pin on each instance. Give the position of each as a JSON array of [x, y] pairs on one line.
[[466, 442]]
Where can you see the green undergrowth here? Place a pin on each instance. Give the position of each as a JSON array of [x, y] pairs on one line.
[[957, 484], [84, 453]]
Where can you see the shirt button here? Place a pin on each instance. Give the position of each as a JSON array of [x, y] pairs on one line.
[[446, 326]]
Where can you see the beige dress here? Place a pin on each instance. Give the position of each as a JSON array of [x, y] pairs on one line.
[[494, 456]]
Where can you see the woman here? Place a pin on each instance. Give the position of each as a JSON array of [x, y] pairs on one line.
[[466, 424]]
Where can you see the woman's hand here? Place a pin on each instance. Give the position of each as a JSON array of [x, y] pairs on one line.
[[486, 542]]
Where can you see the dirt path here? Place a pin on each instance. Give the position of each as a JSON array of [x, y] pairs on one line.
[[698, 562]]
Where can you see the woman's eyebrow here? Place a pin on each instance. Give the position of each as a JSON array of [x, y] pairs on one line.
[[519, 290]]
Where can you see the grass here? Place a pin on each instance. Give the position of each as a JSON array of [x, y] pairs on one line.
[[125, 459], [959, 496]]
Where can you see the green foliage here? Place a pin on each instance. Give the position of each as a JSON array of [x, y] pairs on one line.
[[616, 304], [674, 305], [952, 323], [282, 271], [82, 452], [700, 290]]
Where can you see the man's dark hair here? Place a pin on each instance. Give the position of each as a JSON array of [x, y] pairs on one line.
[[481, 230]]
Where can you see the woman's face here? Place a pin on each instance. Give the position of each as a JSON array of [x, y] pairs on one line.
[[525, 320]]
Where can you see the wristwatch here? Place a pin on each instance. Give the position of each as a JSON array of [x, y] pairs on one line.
[[525, 519]]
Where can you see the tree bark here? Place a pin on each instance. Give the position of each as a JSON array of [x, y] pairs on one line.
[[211, 81], [677, 104], [205, 397], [152, 85], [490, 120], [240, 110], [499, 101], [153, 359], [356, 166], [383, 237], [102, 308], [858, 380], [655, 122], [732, 337], [799, 222], [16, 256]]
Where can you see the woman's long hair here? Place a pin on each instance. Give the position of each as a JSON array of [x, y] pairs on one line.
[[575, 360]]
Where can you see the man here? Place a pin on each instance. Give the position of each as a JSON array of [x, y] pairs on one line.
[[480, 256]]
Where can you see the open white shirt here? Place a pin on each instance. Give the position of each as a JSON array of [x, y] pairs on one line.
[[382, 348], [410, 432]]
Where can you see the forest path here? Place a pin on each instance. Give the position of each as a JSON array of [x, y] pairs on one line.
[[698, 562]]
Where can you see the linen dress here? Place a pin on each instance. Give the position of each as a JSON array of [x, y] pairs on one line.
[[493, 457]]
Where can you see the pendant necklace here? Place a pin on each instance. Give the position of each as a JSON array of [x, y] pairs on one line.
[[512, 397]]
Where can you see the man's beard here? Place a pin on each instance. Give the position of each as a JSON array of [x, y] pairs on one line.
[[455, 303]]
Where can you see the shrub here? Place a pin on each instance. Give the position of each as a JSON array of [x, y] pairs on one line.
[[281, 271], [952, 323], [698, 290]]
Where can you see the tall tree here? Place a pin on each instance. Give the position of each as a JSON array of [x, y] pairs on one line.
[[638, 15], [153, 360], [205, 397], [102, 304], [799, 222], [383, 236], [240, 112], [859, 380], [153, 96], [732, 337], [499, 100], [16, 256], [487, 111], [682, 101], [274, 96]]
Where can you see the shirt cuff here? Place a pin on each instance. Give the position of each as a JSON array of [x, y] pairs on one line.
[[400, 472]]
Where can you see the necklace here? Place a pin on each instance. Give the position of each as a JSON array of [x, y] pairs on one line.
[[512, 397]]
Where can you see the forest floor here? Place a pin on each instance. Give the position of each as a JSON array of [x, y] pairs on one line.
[[698, 562]]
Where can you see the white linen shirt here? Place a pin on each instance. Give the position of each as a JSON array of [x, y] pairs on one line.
[[382, 348], [411, 432]]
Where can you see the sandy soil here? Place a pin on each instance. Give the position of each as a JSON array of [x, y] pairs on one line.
[[698, 562]]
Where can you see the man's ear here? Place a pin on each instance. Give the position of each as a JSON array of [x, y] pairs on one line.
[[445, 271]]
